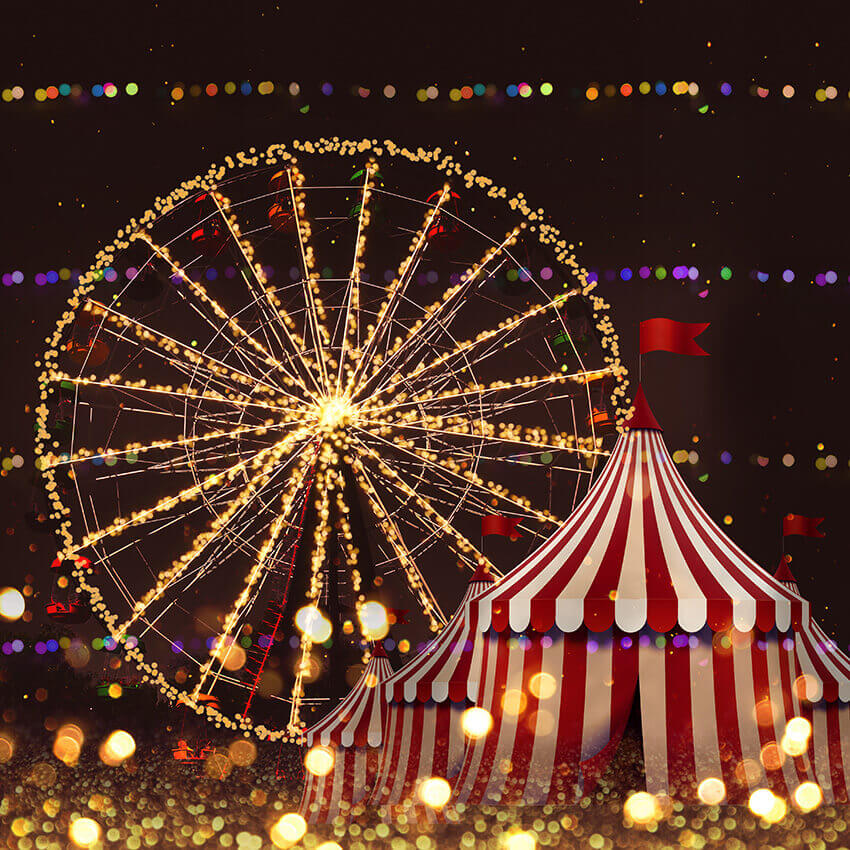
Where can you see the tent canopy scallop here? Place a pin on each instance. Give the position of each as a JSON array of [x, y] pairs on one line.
[[640, 550], [444, 670]]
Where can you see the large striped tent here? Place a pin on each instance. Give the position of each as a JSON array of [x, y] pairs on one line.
[[353, 731], [426, 698], [640, 590]]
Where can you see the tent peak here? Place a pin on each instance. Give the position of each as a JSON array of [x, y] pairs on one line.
[[642, 416], [482, 573], [378, 650], [783, 572]]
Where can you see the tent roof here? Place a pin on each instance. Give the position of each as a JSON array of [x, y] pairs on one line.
[[359, 719], [639, 550], [443, 670]]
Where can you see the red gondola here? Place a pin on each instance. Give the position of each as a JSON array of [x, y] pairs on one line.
[[281, 215], [210, 236], [444, 232], [65, 605], [84, 348]]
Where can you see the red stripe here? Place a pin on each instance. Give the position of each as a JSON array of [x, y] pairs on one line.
[[570, 719], [786, 657], [524, 736], [391, 752], [442, 733], [830, 686], [598, 603], [836, 755], [761, 694], [414, 715], [681, 766], [499, 660], [726, 711], [624, 673], [662, 603]]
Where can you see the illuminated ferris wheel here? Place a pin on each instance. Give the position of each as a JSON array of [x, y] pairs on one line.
[[255, 420]]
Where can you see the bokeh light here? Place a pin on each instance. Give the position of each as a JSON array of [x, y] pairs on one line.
[[313, 623], [808, 796], [711, 791], [319, 760], [84, 832], [117, 748], [374, 620], [12, 604], [435, 792], [476, 722], [642, 807], [288, 830]]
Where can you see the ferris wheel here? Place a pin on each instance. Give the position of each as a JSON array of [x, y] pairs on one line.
[[297, 385]]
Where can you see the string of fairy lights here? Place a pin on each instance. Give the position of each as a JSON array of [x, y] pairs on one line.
[[371, 382], [177, 92], [823, 276]]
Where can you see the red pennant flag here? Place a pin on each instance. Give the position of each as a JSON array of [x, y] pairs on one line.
[[498, 524], [807, 526], [669, 335]]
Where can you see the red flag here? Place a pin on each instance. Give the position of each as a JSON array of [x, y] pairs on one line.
[[669, 335], [398, 616], [807, 526], [498, 524]]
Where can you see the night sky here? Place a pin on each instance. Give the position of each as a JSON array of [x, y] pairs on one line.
[[752, 183]]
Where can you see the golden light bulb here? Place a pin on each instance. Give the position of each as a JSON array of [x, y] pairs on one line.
[[319, 760], [808, 796], [476, 722], [374, 620], [711, 791], [435, 792], [767, 805], [12, 605], [642, 807], [84, 832], [313, 623], [117, 748], [288, 830]]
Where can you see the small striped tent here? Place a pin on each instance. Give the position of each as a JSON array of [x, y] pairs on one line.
[[426, 699], [353, 731]]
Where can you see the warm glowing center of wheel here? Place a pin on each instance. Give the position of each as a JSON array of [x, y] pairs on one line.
[[335, 412]]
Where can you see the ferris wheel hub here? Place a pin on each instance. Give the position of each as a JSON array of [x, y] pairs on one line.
[[335, 413]]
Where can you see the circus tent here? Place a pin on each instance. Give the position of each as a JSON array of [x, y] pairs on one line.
[[426, 698], [639, 591], [352, 731]]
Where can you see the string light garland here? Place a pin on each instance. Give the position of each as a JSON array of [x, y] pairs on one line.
[[349, 388]]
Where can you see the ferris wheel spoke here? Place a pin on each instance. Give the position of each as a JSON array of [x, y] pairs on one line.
[[462, 348], [446, 467], [289, 378], [351, 321], [167, 390], [454, 296], [325, 479], [522, 385], [315, 312], [415, 580], [268, 305], [393, 477], [218, 531], [509, 435], [173, 348], [259, 567], [120, 525], [396, 293]]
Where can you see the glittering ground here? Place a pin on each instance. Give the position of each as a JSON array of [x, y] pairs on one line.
[[153, 800]]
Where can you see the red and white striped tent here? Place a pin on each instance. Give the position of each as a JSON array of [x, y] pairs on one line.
[[426, 698], [639, 588], [354, 731]]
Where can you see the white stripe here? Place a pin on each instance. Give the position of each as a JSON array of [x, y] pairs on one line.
[[844, 732], [474, 750], [630, 604], [745, 692], [457, 740], [703, 713], [596, 731], [653, 712], [507, 732], [542, 762], [690, 595], [816, 693], [774, 675]]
